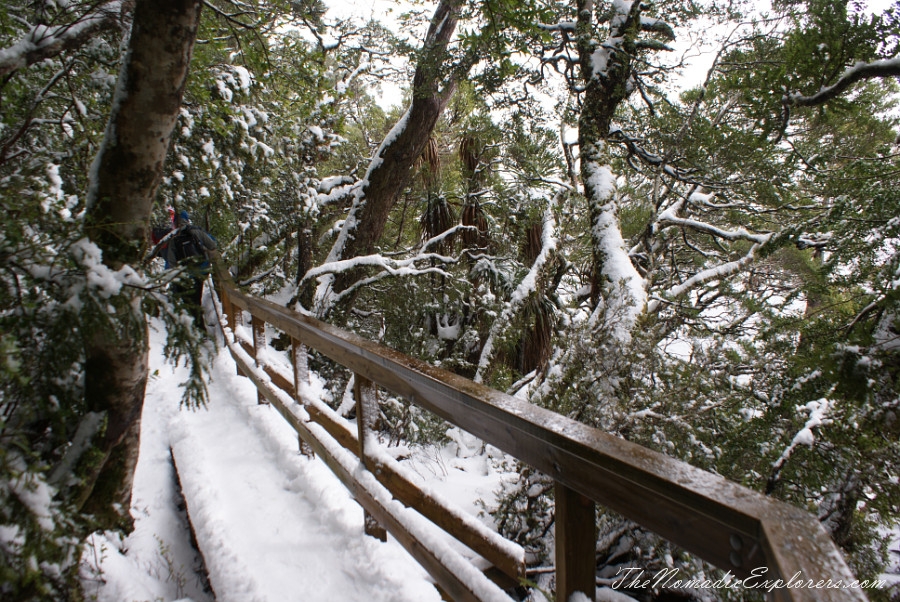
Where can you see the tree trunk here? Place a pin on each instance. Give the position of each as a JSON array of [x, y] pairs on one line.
[[392, 165], [607, 70], [123, 183]]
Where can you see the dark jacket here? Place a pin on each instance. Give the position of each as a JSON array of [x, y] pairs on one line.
[[204, 241]]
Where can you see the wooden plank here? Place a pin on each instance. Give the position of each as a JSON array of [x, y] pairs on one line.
[[259, 343], [300, 361], [341, 432], [799, 555], [458, 587], [226, 305], [576, 543], [510, 564], [237, 309], [699, 511], [233, 313], [368, 418], [407, 493], [279, 380], [300, 355]]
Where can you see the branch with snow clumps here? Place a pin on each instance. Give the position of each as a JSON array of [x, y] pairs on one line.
[[715, 272], [326, 297], [44, 42], [669, 217], [858, 72], [818, 411]]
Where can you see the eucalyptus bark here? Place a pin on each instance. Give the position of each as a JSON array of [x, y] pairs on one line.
[[123, 182]]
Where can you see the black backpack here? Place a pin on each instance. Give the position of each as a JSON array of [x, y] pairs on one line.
[[158, 233], [184, 245]]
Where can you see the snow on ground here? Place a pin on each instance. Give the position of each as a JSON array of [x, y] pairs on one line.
[[273, 524], [892, 572], [156, 561]]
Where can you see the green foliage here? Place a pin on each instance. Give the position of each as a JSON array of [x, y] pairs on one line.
[[730, 376], [53, 295]]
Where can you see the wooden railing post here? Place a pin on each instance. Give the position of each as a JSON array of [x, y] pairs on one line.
[[301, 375], [367, 422], [235, 315], [226, 303], [259, 343], [301, 363], [235, 319], [576, 544]]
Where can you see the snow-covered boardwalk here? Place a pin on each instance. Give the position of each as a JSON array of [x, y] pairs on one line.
[[272, 525]]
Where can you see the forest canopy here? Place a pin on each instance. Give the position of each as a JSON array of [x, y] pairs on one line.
[[561, 207]]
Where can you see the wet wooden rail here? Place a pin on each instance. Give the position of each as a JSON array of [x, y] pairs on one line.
[[757, 539]]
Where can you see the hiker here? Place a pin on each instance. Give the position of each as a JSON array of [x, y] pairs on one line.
[[187, 248], [159, 234]]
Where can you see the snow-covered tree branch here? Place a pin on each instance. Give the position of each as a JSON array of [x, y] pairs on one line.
[[861, 71], [43, 41], [531, 284]]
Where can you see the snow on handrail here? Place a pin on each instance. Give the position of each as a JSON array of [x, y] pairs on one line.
[[761, 542]]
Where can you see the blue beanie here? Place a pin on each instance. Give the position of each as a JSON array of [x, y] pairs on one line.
[[184, 216]]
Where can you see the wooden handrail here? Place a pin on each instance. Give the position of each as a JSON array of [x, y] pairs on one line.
[[734, 528]]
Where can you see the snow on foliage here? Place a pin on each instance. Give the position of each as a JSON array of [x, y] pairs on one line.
[[817, 412], [33, 491], [45, 40], [105, 281], [231, 79]]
